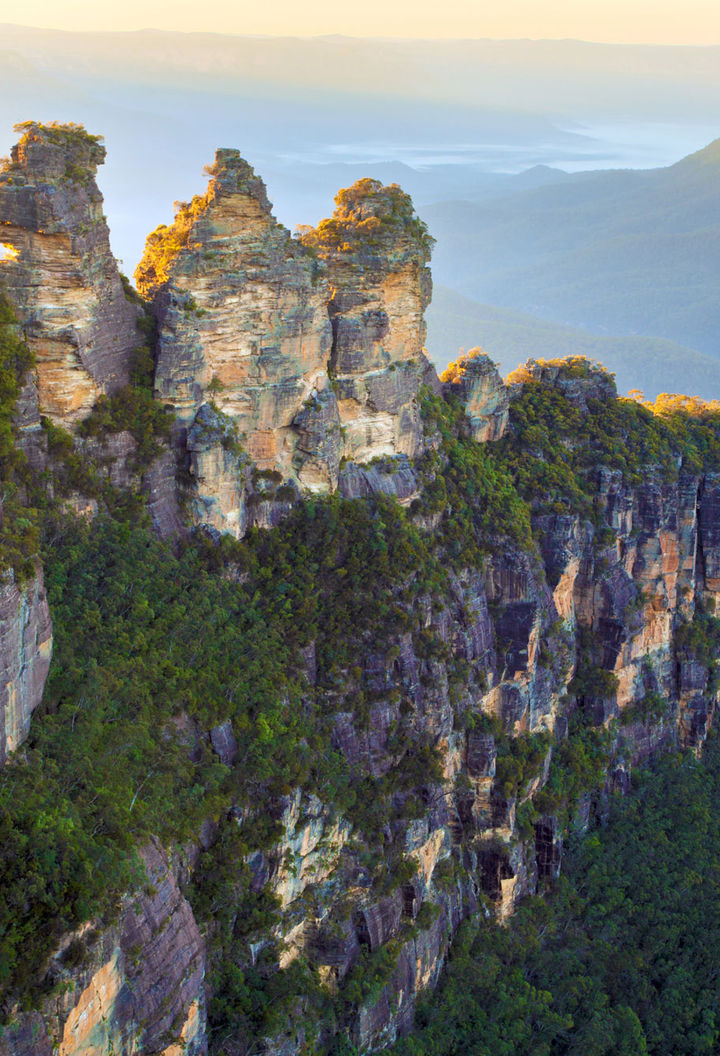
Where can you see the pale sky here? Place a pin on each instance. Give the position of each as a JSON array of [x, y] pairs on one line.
[[628, 21]]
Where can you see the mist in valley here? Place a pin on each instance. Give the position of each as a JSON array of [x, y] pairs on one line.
[[489, 137]]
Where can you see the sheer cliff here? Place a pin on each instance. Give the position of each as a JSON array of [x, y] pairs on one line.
[[59, 272], [298, 354], [275, 768]]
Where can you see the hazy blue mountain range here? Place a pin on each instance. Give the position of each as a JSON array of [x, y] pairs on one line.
[[615, 252], [491, 138], [652, 364]]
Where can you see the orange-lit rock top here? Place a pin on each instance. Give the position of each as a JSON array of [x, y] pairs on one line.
[[310, 347], [376, 251], [475, 381], [59, 272]]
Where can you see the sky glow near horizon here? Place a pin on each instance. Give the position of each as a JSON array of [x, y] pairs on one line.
[[619, 21]]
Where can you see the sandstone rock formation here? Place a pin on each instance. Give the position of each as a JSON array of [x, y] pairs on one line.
[[139, 987], [59, 272], [506, 649], [296, 365], [376, 252], [625, 584], [242, 319], [25, 650], [475, 381], [310, 349]]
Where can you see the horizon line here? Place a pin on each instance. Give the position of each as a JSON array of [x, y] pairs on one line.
[[360, 37]]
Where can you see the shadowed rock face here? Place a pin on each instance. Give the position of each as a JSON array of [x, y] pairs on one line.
[[59, 272], [514, 627], [709, 518], [140, 988], [25, 650]]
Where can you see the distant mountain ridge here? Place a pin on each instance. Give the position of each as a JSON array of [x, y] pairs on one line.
[[630, 253], [653, 365]]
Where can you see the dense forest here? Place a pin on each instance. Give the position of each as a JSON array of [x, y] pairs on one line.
[[364, 681], [622, 958], [155, 643]]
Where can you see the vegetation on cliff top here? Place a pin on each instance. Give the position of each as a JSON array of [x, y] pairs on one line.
[[369, 216], [469, 489], [60, 133], [165, 243], [83, 151], [567, 422]]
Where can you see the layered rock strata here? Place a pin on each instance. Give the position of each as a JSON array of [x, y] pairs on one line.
[[59, 272], [280, 358], [474, 380], [136, 987], [309, 350], [625, 583], [502, 651], [376, 252], [243, 323]]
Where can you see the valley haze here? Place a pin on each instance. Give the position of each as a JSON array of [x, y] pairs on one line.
[[473, 129]]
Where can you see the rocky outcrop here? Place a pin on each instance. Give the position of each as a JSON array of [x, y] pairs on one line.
[[242, 317], [485, 677], [474, 380], [25, 650], [575, 385], [709, 534], [310, 349], [135, 987], [59, 272], [376, 251], [296, 366], [218, 469], [626, 584]]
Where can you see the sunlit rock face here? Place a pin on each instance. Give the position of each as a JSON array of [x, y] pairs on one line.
[[25, 650], [243, 321], [376, 250], [474, 380], [59, 272], [310, 349]]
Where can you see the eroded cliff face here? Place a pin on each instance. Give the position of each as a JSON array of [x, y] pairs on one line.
[[136, 987], [280, 358], [493, 687], [627, 582], [589, 635], [376, 252], [310, 350], [243, 325], [59, 272], [25, 651]]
